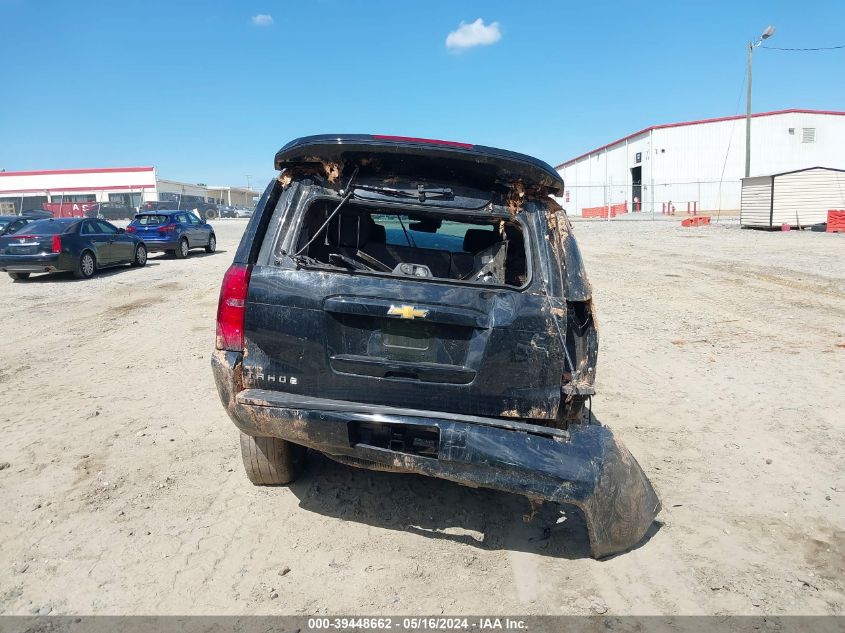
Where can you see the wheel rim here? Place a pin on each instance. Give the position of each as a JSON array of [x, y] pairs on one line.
[[141, 257], [183, 247], [212, 243], [87, 265]]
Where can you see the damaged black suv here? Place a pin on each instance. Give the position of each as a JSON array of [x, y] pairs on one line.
[[421, 306]]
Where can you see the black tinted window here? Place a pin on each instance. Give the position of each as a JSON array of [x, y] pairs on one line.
[[48, 227]]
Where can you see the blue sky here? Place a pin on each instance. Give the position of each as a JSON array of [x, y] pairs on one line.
[[201, 91]]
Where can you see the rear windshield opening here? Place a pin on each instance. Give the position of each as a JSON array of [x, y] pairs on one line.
[[407, 243], [150, 220]]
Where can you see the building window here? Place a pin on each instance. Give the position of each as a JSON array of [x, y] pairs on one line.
[[808, 135], [84, 197], [126, 199], [792, 130], [21, 203]]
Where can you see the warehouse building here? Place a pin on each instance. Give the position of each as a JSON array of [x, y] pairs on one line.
[[698, 166], [129, 186], [797, 198]]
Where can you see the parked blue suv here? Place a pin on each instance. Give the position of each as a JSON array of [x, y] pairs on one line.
[[174, 232]]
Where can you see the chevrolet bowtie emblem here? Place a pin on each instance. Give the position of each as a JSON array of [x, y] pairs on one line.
[[407, 312]]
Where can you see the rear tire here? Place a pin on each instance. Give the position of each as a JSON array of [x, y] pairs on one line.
[[181, 251], [19, 276], [270, 461], [140, 256], [212, 244], [86, 266]]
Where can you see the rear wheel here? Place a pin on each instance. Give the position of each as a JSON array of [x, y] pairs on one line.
[[19, 276], [212, 244], [271, 461], [181, 251], [140, 256], [86, 266]]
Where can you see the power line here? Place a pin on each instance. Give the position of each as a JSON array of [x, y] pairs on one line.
[[821, 48]]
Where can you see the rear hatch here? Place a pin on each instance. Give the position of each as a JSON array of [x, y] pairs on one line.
[[443, 342], [484, 167]]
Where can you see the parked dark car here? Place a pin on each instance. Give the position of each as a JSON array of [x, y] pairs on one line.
[[11, 223], [174, 232], [79, 245], [421, 306], [111, 211], [234, 212]]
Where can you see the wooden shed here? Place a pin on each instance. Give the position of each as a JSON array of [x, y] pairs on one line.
[[802, 197]]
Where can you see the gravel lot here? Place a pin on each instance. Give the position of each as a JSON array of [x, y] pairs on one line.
[[722, 366]]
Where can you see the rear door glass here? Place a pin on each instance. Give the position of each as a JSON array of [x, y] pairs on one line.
[[89, 228], [105, 227]]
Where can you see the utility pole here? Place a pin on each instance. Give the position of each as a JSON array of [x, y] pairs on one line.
[[770, 30]]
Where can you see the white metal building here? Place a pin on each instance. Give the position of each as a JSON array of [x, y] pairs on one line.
[[798, 198], [130, 186], [700, 164]]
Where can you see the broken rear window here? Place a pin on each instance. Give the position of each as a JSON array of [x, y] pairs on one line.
[[406, 243]]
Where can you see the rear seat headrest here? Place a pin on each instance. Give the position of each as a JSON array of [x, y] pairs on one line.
[[354, 231], [378, 234], [476, 240]]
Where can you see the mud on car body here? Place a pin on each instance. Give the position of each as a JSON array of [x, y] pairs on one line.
[[421, 306]]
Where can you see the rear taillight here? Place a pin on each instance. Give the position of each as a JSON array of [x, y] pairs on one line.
[[131, 229], [168, 228], [231, 308], [56, 246]]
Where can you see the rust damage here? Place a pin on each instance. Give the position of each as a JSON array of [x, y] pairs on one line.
[[311, 167]]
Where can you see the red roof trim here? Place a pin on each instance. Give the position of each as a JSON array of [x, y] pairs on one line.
[[60, 190], [699, 122], [51, 172]]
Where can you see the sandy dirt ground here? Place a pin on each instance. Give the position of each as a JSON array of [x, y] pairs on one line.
[[722, 366]]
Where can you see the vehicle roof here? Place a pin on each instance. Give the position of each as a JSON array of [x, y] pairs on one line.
[[60, 220], [162, 212], [503, 166]]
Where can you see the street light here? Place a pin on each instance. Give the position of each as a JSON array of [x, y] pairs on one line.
[[770, 30]]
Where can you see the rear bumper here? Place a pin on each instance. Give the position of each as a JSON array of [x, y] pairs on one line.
[[586, 466], [29, 263]]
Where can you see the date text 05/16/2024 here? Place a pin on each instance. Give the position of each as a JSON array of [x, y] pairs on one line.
[[417, 624]]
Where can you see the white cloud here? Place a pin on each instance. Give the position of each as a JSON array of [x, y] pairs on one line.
[[474, 34], [262, 19]]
